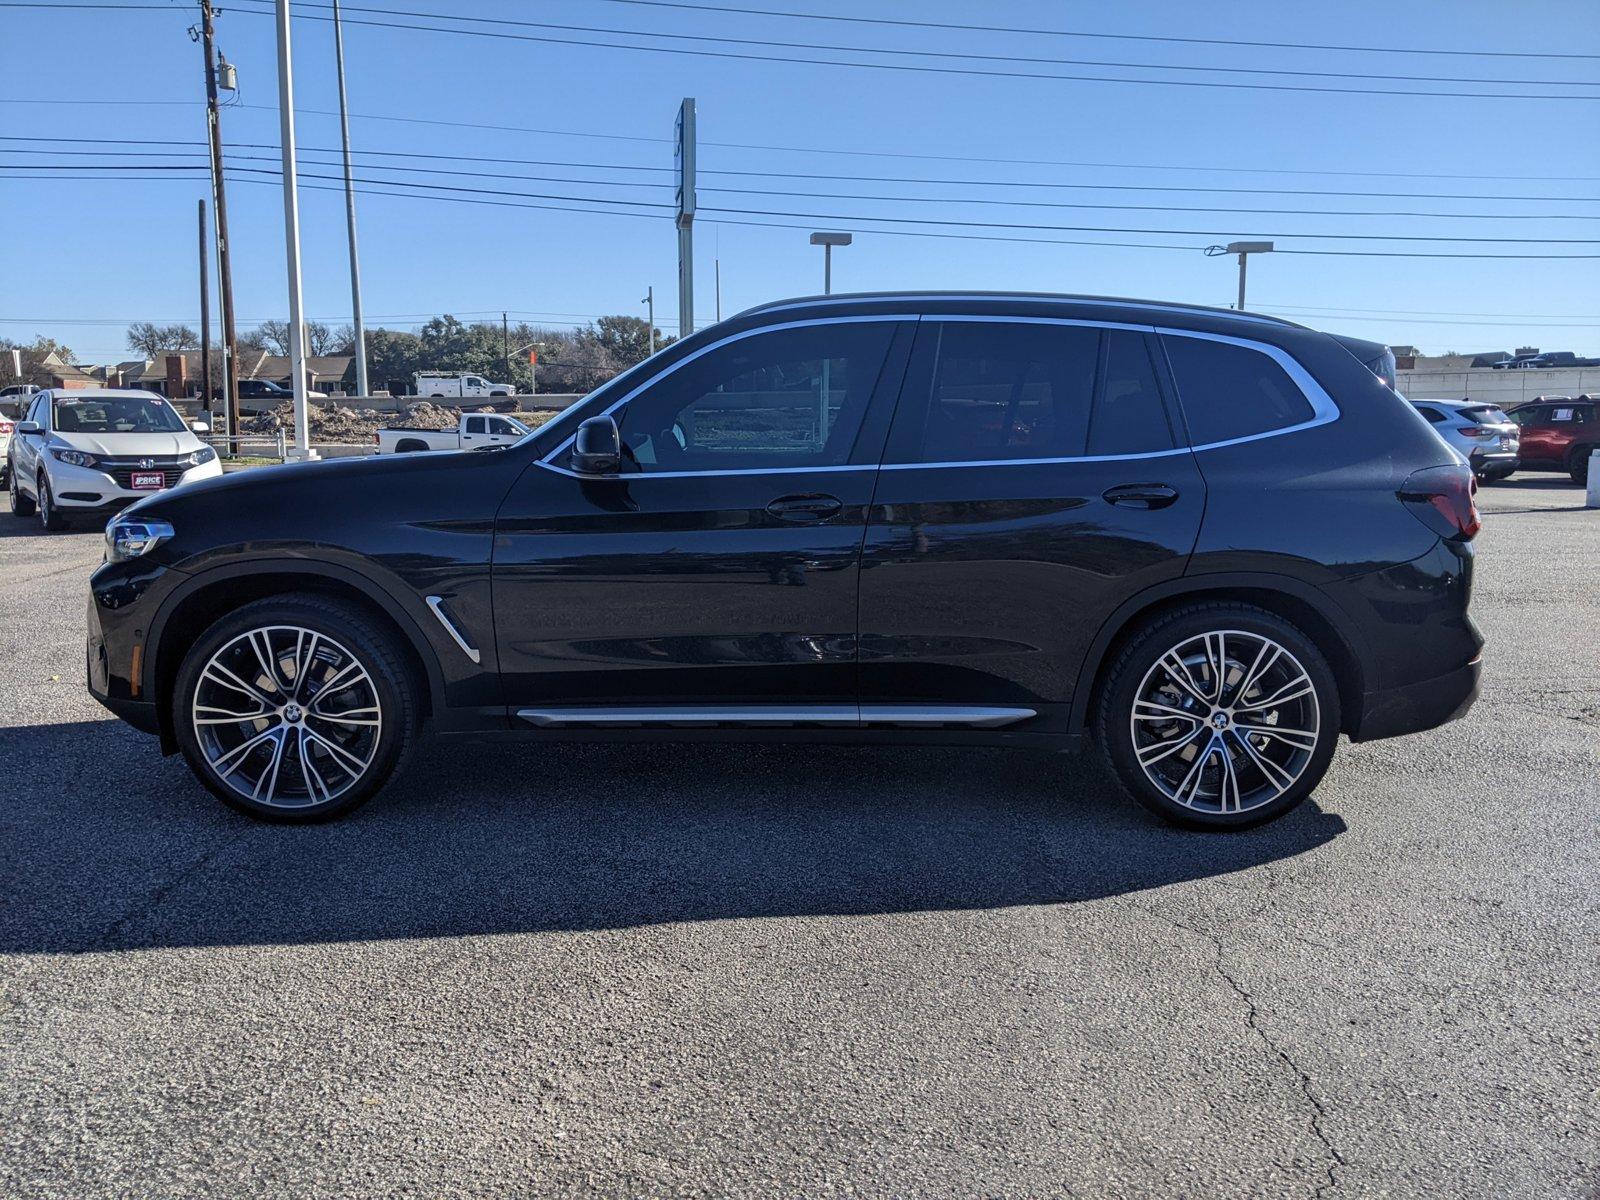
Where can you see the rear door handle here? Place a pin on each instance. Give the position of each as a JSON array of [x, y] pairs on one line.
[[1141, 495], [805, 508]]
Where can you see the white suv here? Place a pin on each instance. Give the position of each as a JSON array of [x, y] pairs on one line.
[[95, 450]]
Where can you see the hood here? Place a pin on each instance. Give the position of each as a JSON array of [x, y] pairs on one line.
[[130, 445]]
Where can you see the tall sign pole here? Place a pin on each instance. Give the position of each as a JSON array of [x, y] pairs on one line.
[[230, 342], [350, 212], [686, 202], [291, 236], [205, 321]]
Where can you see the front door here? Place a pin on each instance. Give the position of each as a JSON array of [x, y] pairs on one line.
[[1034, 479], [720, 567]]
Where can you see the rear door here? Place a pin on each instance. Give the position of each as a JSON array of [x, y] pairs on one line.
[[1033, 480], [1540, 436]]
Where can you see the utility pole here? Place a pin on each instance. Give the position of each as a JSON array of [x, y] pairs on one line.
[[686, 204], [718, 265], [362, 387], [650, 302], [205, 321], [505, 346], [291, 237], [230, 343]]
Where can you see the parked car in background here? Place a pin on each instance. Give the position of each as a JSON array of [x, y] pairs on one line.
[[477, 431], [1558, 434], [11, 408], [1482, 434], [1206, 541], [16, 390], [436, 386], [90, 451], [271, 389]]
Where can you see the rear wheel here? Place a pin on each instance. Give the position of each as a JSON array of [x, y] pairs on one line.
[[295, 708], [21, 503], [1219, 716], [1578, 464]]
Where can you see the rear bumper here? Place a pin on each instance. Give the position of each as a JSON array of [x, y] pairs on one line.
[[1418, 706]]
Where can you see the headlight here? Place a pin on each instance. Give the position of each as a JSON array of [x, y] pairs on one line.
[[203, 455], [129, 537], [73, 458]]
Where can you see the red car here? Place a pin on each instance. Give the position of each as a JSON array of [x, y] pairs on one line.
[[1558, 433]]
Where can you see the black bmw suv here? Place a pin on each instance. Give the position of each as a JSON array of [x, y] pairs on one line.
[[1205, 541]]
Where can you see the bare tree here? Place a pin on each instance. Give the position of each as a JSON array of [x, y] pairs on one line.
[[273, 337], [150, 340]]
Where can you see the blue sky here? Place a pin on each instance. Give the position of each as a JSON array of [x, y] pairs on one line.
[[83, 258]]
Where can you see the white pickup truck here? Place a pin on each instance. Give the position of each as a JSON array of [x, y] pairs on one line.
[[477, 431], [437, 385]]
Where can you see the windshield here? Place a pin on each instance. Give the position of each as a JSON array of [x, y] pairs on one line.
[[116, 414]]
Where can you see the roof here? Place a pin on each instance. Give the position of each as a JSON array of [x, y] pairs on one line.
[[1065, 301], [92, 393]]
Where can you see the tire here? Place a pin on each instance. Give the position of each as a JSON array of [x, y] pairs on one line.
[[49, 515], [1578, 464], [21, 504], [271, 781], [1270, 773]]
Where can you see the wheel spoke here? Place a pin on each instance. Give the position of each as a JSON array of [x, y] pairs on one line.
[[1277, 777], [223, 677], [1293, 690], [269, 778], [1228, 794], [1265, 657], [339, 683], [1161, 712], [349, 762], [302, 664], [1178, 671], [234, 759], [314, 780], [1190, 787], [1156, 752], [1300, 739], [1217, 663], [261, 642], [342, 719]]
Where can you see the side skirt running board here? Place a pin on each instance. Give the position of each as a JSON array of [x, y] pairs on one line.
[[833, 715]]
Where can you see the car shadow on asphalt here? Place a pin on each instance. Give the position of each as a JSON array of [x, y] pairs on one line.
[[108, 846]]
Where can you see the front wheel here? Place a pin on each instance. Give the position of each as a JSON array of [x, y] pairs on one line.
[[295, 708], [1219, 716], [1578, 464], [49, 515]]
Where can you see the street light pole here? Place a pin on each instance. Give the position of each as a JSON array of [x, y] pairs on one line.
[[362, 388], [650, 301], [291, 233], [1243, 250], [828, 241]]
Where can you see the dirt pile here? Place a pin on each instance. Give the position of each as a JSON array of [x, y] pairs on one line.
[[330, 423]]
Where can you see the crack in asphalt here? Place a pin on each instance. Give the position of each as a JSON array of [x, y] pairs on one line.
[[1319, 1112]]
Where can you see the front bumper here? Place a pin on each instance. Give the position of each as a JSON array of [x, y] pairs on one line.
[[123, 599], [86, 489]]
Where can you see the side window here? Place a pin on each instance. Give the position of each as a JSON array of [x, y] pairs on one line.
[[475, 424], [1129, 415], [1562, 415], [1230, 391], [1525, 416], [499, 425], [786, 398], [1434, 416], [998, 391]]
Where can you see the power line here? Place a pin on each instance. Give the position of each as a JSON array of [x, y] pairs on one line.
[[1372, 48], [852, 178], [941, 54], [499, 34], [839, 152], [234, 157], [923, 233], [861, 218]]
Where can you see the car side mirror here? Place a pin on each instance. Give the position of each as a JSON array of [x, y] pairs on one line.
[[30, 427], [597, 447], [200, 426]]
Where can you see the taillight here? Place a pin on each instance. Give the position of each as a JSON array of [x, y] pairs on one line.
[[1442, 499], [1475, 431], [6, 427]]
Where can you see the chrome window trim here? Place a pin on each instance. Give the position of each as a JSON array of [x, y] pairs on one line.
[[707, 349], [1324, 409]]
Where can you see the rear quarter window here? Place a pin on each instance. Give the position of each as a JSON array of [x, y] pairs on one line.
[[1230, 391]]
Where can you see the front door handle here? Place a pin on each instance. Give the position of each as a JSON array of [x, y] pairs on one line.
[[805, 508], [1141, 495]]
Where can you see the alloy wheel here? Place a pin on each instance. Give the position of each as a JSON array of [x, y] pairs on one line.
[[287, 717], [1225, 722]]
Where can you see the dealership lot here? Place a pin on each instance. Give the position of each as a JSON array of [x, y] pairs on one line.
[[783, 971]]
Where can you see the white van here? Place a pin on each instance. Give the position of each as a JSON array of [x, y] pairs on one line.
[[433, 384]]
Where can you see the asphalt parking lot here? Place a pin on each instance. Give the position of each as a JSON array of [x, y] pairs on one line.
[[800, 971]]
